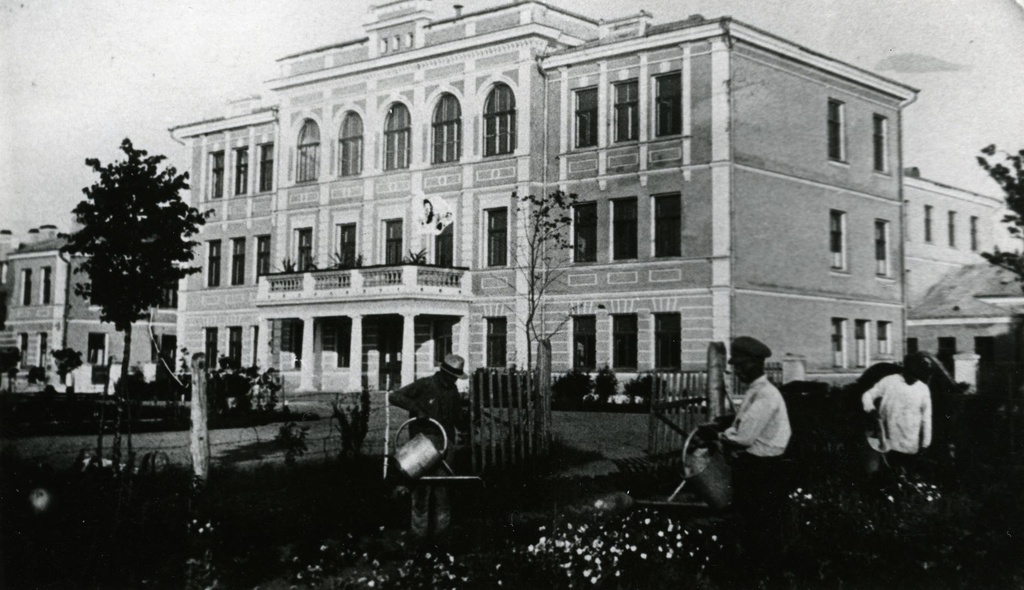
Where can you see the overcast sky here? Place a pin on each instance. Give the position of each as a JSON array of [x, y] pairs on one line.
[[78, 76]]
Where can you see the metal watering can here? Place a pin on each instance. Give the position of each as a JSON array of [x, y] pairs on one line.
[[419, 456]]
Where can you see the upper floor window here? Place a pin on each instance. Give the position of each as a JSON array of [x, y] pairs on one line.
[[393, 241], [881, 143], [169, 296], [346, 254], [447, 130], [500, 121], [586, 117], [928, 224], [881, 247], [47, 290], [668, 114], [667, 226], [585, 232], [266, 167], [837, 239], [309, 152], [304, 248], [238, 261], [397, 135], [351, 141], [836, 130], [213, 264], [444, 247], [624, 229], [951, 228], [497, 236], [26, 286], [241, 171], [216, 175], [974, 234], [627, 111], [262, 255]]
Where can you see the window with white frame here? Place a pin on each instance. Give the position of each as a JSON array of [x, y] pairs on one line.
[[308, 153], [585, 232], [836, 130], [216, 175], [241, 171], [213, 263], [838, 342], [837, 239], [881, 247], [624, 229], [393, 241], [46, 291], [345, 256], [351, 140], [238, 261], [397, 137], [880, 141], [26, 286], [586, 117], [447, 130], [883, 337], [266, 167], [627, 111], [497, 236], [500, 121], [928, 224], [304, 248], [668, 225], [668, 105], [974, 234], [951, 228], [860, 339]]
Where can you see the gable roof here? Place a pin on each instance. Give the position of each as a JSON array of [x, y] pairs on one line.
[[958, 294]]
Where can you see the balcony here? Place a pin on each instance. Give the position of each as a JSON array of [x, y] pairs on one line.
[[407, 281]]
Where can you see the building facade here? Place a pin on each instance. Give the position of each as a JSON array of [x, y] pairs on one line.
[[45, 314], [730, 182]]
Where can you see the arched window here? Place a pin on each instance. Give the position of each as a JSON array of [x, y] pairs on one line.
[[447, 127], [397, 133], [500, 121], [351, 146], [309, 153]]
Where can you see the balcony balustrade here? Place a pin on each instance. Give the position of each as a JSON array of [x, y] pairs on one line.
[[371, 282]]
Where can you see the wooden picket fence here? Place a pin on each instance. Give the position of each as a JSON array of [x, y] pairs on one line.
[[510, 419], [679, 402]]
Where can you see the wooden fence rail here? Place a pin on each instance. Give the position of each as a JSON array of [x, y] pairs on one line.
[[508, 418], [679, 402]]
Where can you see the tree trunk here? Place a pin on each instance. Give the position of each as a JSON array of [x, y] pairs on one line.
[[199, 439], [120, 395], [103, 412], [717, 393]]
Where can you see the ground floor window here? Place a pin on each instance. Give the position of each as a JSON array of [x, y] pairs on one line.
[[442, 335], [337, 337], [584, 337], [497, 330], [210, 348], [624, 338], [235, 346], [97, 349], [667, 341]]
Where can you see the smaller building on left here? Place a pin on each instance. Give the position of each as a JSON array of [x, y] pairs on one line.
[[41, 313]]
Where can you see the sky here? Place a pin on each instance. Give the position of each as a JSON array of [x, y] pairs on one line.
[[78, 76]]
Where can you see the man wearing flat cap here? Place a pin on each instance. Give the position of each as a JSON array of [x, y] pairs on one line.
[[759, 436], [435, 397]]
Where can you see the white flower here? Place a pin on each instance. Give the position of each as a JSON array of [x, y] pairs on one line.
[[643, 556], [647, 521], [714, 537]]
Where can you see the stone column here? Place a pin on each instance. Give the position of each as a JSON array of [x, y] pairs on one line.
[[408, 348], [306, 373], [355, 370], [261, 354]]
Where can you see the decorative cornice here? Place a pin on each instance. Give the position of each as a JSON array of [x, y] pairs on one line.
[[216, 126]]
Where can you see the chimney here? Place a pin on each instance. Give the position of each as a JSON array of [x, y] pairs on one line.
[[32, 237], [6, 240], [47, 232], [458, 10], [912, 172]]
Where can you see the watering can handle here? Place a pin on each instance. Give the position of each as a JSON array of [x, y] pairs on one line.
[[444, 435]]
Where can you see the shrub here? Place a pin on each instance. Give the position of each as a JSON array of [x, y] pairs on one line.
[[571, 387], [292, 439], [606, 384], [640, 388], [36, 375], [353, 423]]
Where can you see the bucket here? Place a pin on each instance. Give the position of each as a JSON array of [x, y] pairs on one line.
[[419, 456], [709, 472]]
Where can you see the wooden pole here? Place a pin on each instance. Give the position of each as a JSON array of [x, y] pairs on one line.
[[716, 380], [199, 435], [544, 387]]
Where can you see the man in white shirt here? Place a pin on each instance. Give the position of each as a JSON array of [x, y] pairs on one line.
[[904, 411], [760, 432]]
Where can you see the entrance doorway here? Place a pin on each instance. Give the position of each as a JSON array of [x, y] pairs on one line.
[[389, 344]]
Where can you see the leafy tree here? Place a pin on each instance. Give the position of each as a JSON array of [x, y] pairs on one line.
[[134, 242], [540, 258], [67, 360], [1008, 171]]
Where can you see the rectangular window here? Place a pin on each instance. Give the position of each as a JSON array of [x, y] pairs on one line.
[[667, 341], [266, 167], [836, 130], [624, 229], [47, 288], [262, 255], [837, 239], [96, 353], [238, 261], [337, 337], [884, 338], [496, 341], [23, 347], [860, 338], [881, 143], [667, 226], [216, 175], [951, 228], [393, 241], [497, 236], [946, 351], [304, 249], [169, 296], [255, 346], [912, 345], [838, 342], [585, 232], [241, 171], [213, 264], [586, 117], [584, 342], [210, 347], [291, 341], [928, 224], [668, 110], [44, 348], [346, 254], [624, 338], [442, 335], [985, 347], [627, 111], [444, 247], [881, 247], [235, 346], [974, 234], [26, 286]]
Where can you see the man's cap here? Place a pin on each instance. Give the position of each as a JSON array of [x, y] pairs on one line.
[[454, 365], [750, 347]]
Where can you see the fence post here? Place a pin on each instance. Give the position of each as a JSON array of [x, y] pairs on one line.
[[544, 389], [199, 435], [794, 368], [716, 380], [965, 369]]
